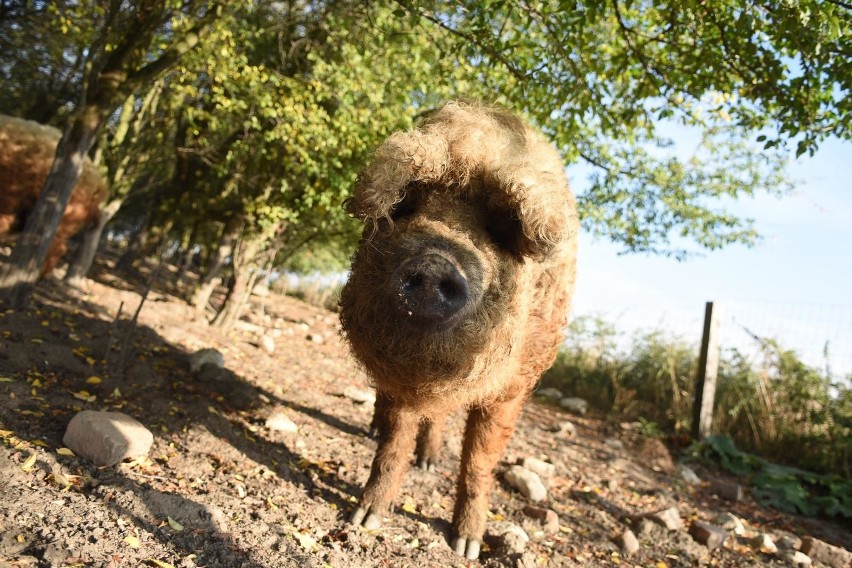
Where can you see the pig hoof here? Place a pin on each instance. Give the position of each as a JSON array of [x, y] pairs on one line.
[[467, 547], [364, 518], [426, 465]]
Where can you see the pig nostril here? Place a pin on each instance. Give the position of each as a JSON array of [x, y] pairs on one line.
[[412, 282], [449, 289]]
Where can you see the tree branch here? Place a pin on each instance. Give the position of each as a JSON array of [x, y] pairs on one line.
[[487, 49]]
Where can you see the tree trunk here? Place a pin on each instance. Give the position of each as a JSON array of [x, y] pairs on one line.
[[234, 299], [25, 265], [217, 260], [84, 256], [134, 247], [187, 252]]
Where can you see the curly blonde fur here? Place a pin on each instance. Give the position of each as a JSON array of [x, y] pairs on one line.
[[481, 190]]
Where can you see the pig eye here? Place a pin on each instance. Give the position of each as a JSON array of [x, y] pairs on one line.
[[505, 231], [405, 208]]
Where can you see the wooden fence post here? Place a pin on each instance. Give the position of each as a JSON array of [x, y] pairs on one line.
[[708, 367]]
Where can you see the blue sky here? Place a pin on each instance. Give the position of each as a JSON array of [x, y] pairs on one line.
[[794, 285]]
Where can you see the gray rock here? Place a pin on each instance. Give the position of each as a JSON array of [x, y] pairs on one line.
[[360, 395], [575, 405], [669, 518], [267, 344], [544, 469], [527, 482], [788, 541], [688, 475], [764, 543], [205, 357], [548, 518], [711, 536], [797, 558], [568, 429], [828, 554], [106, 438], [614, 444], [730, 523], [549, 393], [280, 422], [507, 537], [628, 542], [727, 490]]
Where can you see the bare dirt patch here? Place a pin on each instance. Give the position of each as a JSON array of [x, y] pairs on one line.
[[220, 489]]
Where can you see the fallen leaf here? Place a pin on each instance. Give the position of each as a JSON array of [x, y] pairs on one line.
[[132, 541], [84, 395], [65, 452], [28, 465], [39, 443], [6, 380], [93, 380], [305, 541], [159, 563], [174, 524], [61, 480], [5, 433]]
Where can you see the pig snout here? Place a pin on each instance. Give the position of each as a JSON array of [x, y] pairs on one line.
[[431, 292]]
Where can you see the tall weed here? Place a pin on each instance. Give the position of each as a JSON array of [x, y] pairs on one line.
[[773, 405]]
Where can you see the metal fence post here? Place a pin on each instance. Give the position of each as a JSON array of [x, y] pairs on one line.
[[708, 367]]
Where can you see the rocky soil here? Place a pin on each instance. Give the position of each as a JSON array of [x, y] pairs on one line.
[[258, 464]]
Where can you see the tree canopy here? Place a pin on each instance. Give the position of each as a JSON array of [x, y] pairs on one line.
[[268, 115]]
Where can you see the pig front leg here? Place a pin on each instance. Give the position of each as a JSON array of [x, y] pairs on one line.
[[488, 431], [429, 442], [396, 444]]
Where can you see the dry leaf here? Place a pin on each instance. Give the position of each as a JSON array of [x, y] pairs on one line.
[[132, 541], [28, 465], [174, 524], [159, 563], [84, 395], [93, 380], [65, 452], [61, 480]]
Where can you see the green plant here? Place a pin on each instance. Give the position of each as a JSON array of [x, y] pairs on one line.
[[771, 404], [649, 429], [785, 488]]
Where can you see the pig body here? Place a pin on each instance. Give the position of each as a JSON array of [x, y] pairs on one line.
[[458, 294]]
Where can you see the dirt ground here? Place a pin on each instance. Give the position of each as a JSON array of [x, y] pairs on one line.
[[219, 489]]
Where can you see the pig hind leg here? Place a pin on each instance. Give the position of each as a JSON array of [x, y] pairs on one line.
[[429, 441]]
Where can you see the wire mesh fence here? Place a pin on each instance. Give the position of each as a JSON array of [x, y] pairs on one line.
[[820, 334]]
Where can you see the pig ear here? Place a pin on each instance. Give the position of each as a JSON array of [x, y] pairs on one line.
[[543, 206]]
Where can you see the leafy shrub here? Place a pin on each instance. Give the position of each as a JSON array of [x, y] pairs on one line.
[[785, 488], [774, 405]]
